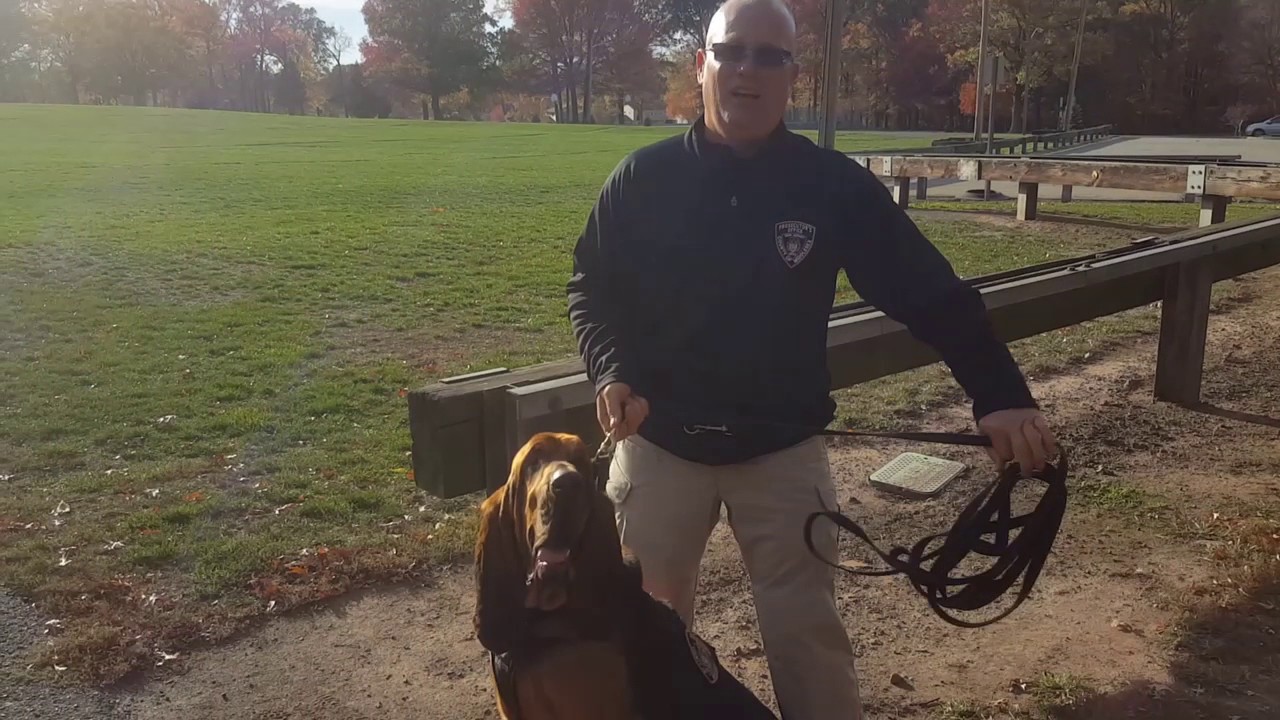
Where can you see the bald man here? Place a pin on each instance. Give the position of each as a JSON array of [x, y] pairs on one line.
[[700, 294]]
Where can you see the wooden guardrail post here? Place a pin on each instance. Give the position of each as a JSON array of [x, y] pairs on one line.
[[1213, 209], [902, 191], [1066, 193], [1028, 198], [1184, 327], [922, 188]]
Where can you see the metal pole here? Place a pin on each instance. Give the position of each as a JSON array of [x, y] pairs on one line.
[[982, 61], [991, 103], [1075, 67], [831, 74]]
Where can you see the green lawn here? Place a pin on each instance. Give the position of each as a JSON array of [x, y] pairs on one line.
[[209, 321]]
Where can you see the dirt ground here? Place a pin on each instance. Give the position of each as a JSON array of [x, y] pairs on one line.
[[1154, 604]]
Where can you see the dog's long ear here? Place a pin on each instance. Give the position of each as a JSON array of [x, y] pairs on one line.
[[601, 548], [499, 571]]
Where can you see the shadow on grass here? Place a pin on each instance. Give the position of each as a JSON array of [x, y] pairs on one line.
[[1225, 664]]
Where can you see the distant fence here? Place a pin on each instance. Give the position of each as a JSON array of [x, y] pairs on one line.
[[1214, 184], [1023, 144]]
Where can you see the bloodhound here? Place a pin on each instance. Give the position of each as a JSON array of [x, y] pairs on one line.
[[571, 633]]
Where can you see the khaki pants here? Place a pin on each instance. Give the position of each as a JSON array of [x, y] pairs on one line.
[[666, 508]]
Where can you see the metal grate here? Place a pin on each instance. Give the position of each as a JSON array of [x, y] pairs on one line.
[[916, 476]]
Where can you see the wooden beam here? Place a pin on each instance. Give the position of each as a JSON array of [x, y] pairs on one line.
[[450, 461], [455, 423], [1028, 197], [1261, 183], [869, 345], [1213, 210], [1184, 325]]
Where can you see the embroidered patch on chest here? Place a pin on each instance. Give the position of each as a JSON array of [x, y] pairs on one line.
[[794, 240], [703, 656]]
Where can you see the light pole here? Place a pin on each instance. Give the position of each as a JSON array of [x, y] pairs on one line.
[[982, 62], [831, 73], [1075, 67]]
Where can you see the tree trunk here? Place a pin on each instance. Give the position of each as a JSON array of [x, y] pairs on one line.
[[342, 85], [573, 102], [622, 109], [426, 112], [586, 91], [435, 105]]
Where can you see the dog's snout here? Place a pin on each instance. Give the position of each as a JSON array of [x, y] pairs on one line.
[[565, 480]]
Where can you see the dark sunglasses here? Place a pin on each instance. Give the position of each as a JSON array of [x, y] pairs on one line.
[[762, 56]]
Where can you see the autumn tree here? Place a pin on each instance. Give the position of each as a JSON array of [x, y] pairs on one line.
[[431, 47]]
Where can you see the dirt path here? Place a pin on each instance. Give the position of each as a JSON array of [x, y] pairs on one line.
[[1151, 607]]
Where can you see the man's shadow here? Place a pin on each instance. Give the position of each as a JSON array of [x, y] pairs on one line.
[[1225, 664]]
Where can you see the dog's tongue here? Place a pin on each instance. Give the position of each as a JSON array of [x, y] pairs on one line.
[[546, 583]]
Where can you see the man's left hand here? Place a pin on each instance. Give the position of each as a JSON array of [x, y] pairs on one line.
[[1019, 434]]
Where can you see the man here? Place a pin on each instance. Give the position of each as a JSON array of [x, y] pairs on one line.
[[700, 296]]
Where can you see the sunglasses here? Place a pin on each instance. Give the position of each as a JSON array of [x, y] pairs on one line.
[[771, 57]]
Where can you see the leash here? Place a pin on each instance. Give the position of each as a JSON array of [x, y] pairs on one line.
[[989, 513]]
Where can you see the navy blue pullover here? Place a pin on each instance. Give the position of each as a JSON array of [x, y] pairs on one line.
[[705, 281]]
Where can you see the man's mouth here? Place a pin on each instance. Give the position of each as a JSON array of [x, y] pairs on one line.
[[548, 584], [744, 94]]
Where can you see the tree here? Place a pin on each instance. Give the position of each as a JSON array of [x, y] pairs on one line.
[[432, 47]]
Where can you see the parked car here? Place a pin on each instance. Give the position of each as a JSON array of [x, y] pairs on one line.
[[1266, 127]]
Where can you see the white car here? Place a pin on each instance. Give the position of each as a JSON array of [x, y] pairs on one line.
[[1266, 127]]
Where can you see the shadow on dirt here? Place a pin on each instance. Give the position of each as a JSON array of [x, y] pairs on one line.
[[1237, 415], [1226, 664]]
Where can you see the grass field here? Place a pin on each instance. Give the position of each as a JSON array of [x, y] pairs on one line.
[[209, 324]]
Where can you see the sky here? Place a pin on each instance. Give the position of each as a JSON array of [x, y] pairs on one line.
[[345, 15]]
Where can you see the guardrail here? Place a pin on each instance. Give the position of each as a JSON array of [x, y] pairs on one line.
[[1023, 143], [1214, 184], [465, 430]]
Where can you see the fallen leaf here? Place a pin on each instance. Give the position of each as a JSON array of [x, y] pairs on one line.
[[900, 681], [854, 565], [149, 531], [113, 545], [404, 392], [62, 509], [194, 497], [299, 570], [410, 475], [166, 420], [153, 492]]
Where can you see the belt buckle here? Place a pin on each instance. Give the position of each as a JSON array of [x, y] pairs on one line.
[[699, 429]]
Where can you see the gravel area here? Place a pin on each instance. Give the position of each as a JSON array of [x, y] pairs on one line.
[[21, 628]]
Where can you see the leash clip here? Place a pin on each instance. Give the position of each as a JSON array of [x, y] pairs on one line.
[[698, 429]]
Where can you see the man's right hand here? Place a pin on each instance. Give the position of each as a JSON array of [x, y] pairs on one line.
[[619, 411]]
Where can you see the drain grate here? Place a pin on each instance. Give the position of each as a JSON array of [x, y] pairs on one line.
[[916, 476]]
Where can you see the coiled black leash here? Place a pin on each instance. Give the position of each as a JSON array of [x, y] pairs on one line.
[[989, 513]]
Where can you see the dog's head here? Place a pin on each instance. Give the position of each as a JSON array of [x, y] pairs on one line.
[[547, 541]]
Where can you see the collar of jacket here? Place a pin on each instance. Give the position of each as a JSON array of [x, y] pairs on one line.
[[718, 155]]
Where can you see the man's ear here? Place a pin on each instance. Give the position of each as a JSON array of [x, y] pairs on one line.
[[499, 574], [700, 62]]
